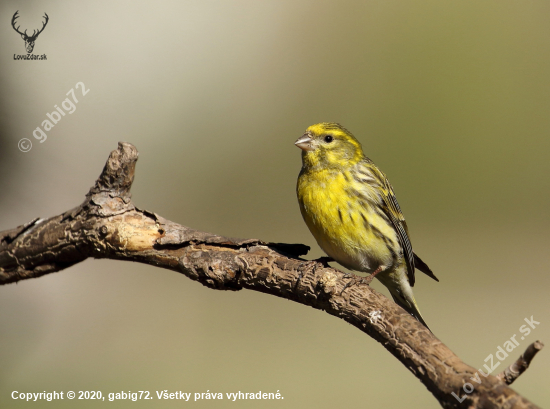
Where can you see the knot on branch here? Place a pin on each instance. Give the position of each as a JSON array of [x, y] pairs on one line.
[[111, 192]]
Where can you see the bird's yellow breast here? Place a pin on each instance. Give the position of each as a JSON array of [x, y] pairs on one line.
[[344, 222]]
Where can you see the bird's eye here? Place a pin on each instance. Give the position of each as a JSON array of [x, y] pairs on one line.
[[329, 138]]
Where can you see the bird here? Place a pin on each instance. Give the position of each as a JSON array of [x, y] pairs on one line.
[[350, 208]]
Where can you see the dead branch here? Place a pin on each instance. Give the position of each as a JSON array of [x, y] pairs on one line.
[[510, 374], [108, 225]]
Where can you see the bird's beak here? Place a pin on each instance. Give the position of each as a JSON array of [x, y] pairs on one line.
[[305, 143]]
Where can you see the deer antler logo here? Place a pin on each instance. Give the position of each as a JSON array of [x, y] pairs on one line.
[[29, 40]]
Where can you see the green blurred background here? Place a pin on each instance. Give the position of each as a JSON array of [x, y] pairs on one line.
[[450, 99]]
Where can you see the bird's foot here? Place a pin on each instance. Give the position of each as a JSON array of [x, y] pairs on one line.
[[353, 280], [367, 280]]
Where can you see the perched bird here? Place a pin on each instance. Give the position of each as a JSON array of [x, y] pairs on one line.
[[351, 210]]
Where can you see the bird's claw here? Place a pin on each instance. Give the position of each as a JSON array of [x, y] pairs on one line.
[[356, 280]]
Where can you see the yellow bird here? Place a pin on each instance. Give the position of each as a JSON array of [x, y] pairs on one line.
[[349, 206]]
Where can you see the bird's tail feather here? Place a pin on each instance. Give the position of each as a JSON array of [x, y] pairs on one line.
[[404, 297]]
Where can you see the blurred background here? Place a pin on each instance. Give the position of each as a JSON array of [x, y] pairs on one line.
[[450, 99]]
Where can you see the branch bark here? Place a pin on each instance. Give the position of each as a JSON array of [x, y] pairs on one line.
[[510, 374], [108, 225]]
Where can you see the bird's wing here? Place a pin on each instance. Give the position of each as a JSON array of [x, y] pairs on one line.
[[391, 209]]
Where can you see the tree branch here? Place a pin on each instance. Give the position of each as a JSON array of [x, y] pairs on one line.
[[108, 225], [510, 374]]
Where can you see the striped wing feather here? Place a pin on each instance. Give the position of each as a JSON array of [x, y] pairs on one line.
[[391, 209]]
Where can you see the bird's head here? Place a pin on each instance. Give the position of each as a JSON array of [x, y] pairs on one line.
[[329, 145]]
